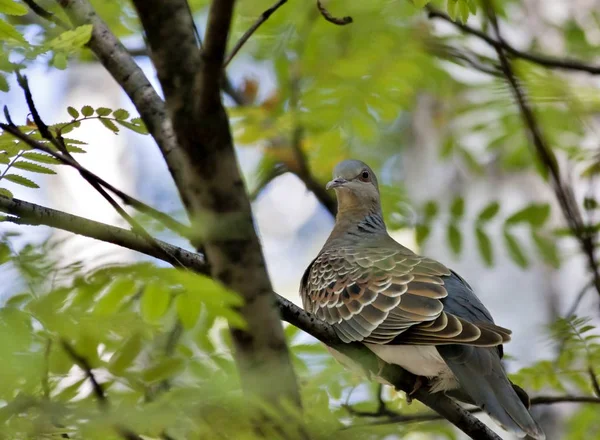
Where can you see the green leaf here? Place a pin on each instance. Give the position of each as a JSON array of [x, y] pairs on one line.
[[33, 167], [163, 370], [535, 214], [110, 125], [451, 7], [489, 212], [188, 309], [20, 180], [430, 210], [546, 248], [71, 40], [421, 233], [40, 157], [6, 193], [87, 111], [103, 111], [4, 87], [9, 32], [4, 158], [454, 237], [155, 302], [463, 10], [73, 112], [485, 246], [457, 208], [125, 354], [141, 129], [110, 301], [59, 60], [11, 7], [590, 203], [514, 250], [121, 114]]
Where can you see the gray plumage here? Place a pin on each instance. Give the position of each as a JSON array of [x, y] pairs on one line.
[[408, 309]]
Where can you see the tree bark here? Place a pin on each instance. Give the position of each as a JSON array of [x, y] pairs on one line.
[[212, 188]]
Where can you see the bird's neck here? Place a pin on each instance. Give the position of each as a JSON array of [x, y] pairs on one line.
[[357, 225]]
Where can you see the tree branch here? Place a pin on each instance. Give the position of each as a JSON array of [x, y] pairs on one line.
[[542, 60], [563, 192], [121, 65], [259, 21], [340, 21], [213, 191], [25, 213], [31, 214]]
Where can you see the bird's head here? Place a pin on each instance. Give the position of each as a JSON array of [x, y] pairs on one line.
[[355, 185]]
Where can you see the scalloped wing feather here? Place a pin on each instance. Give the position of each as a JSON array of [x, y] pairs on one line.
[[388, 295]]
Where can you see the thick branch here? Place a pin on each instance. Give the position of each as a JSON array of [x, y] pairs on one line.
[[25, 213], [213, 192]]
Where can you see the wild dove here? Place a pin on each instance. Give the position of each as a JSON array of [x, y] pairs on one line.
[[409, 310]]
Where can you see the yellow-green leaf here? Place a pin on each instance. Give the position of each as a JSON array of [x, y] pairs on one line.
[[121, 114], [73, 112], [155, 302], [6, 193], [454, 238], [20, 180], [71, 40], [110, 125], [163, 370], [12, 7], [103, 111], [118, 290], [485, 246], [514, 250], [41, 157], [33, 167], [9, 32], [138, 128], [87, 111], [125, 355], [188, 309]]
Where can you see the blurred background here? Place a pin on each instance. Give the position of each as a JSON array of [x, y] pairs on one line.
[[418, 99]]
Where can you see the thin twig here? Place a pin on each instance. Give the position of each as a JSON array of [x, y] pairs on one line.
[[47, 15], [259, 21], [340, 21], [542, 60], [83, 363]]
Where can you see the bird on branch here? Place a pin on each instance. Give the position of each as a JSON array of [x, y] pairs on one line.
[[409, 310]]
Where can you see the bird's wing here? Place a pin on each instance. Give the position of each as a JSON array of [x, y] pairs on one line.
[[388, 295]]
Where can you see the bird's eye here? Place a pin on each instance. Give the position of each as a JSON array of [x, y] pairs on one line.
[[365, 176]]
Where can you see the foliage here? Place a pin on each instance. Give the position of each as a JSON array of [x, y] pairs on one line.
[[155, 338]]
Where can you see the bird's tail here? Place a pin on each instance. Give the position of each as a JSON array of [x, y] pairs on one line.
[[481, 376]]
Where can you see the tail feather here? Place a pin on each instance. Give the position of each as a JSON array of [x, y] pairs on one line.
[[481, 376]]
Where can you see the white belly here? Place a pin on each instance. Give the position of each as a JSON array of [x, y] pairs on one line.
[[421, 360]]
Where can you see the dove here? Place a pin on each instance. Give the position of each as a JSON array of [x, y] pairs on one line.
[[408, 309]]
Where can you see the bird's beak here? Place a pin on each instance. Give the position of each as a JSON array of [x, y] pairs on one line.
[[336, 183]]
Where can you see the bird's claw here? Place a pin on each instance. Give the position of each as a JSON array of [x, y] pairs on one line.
[[418, 384]]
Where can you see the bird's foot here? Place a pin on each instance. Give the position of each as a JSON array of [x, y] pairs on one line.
[[418, 384]]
